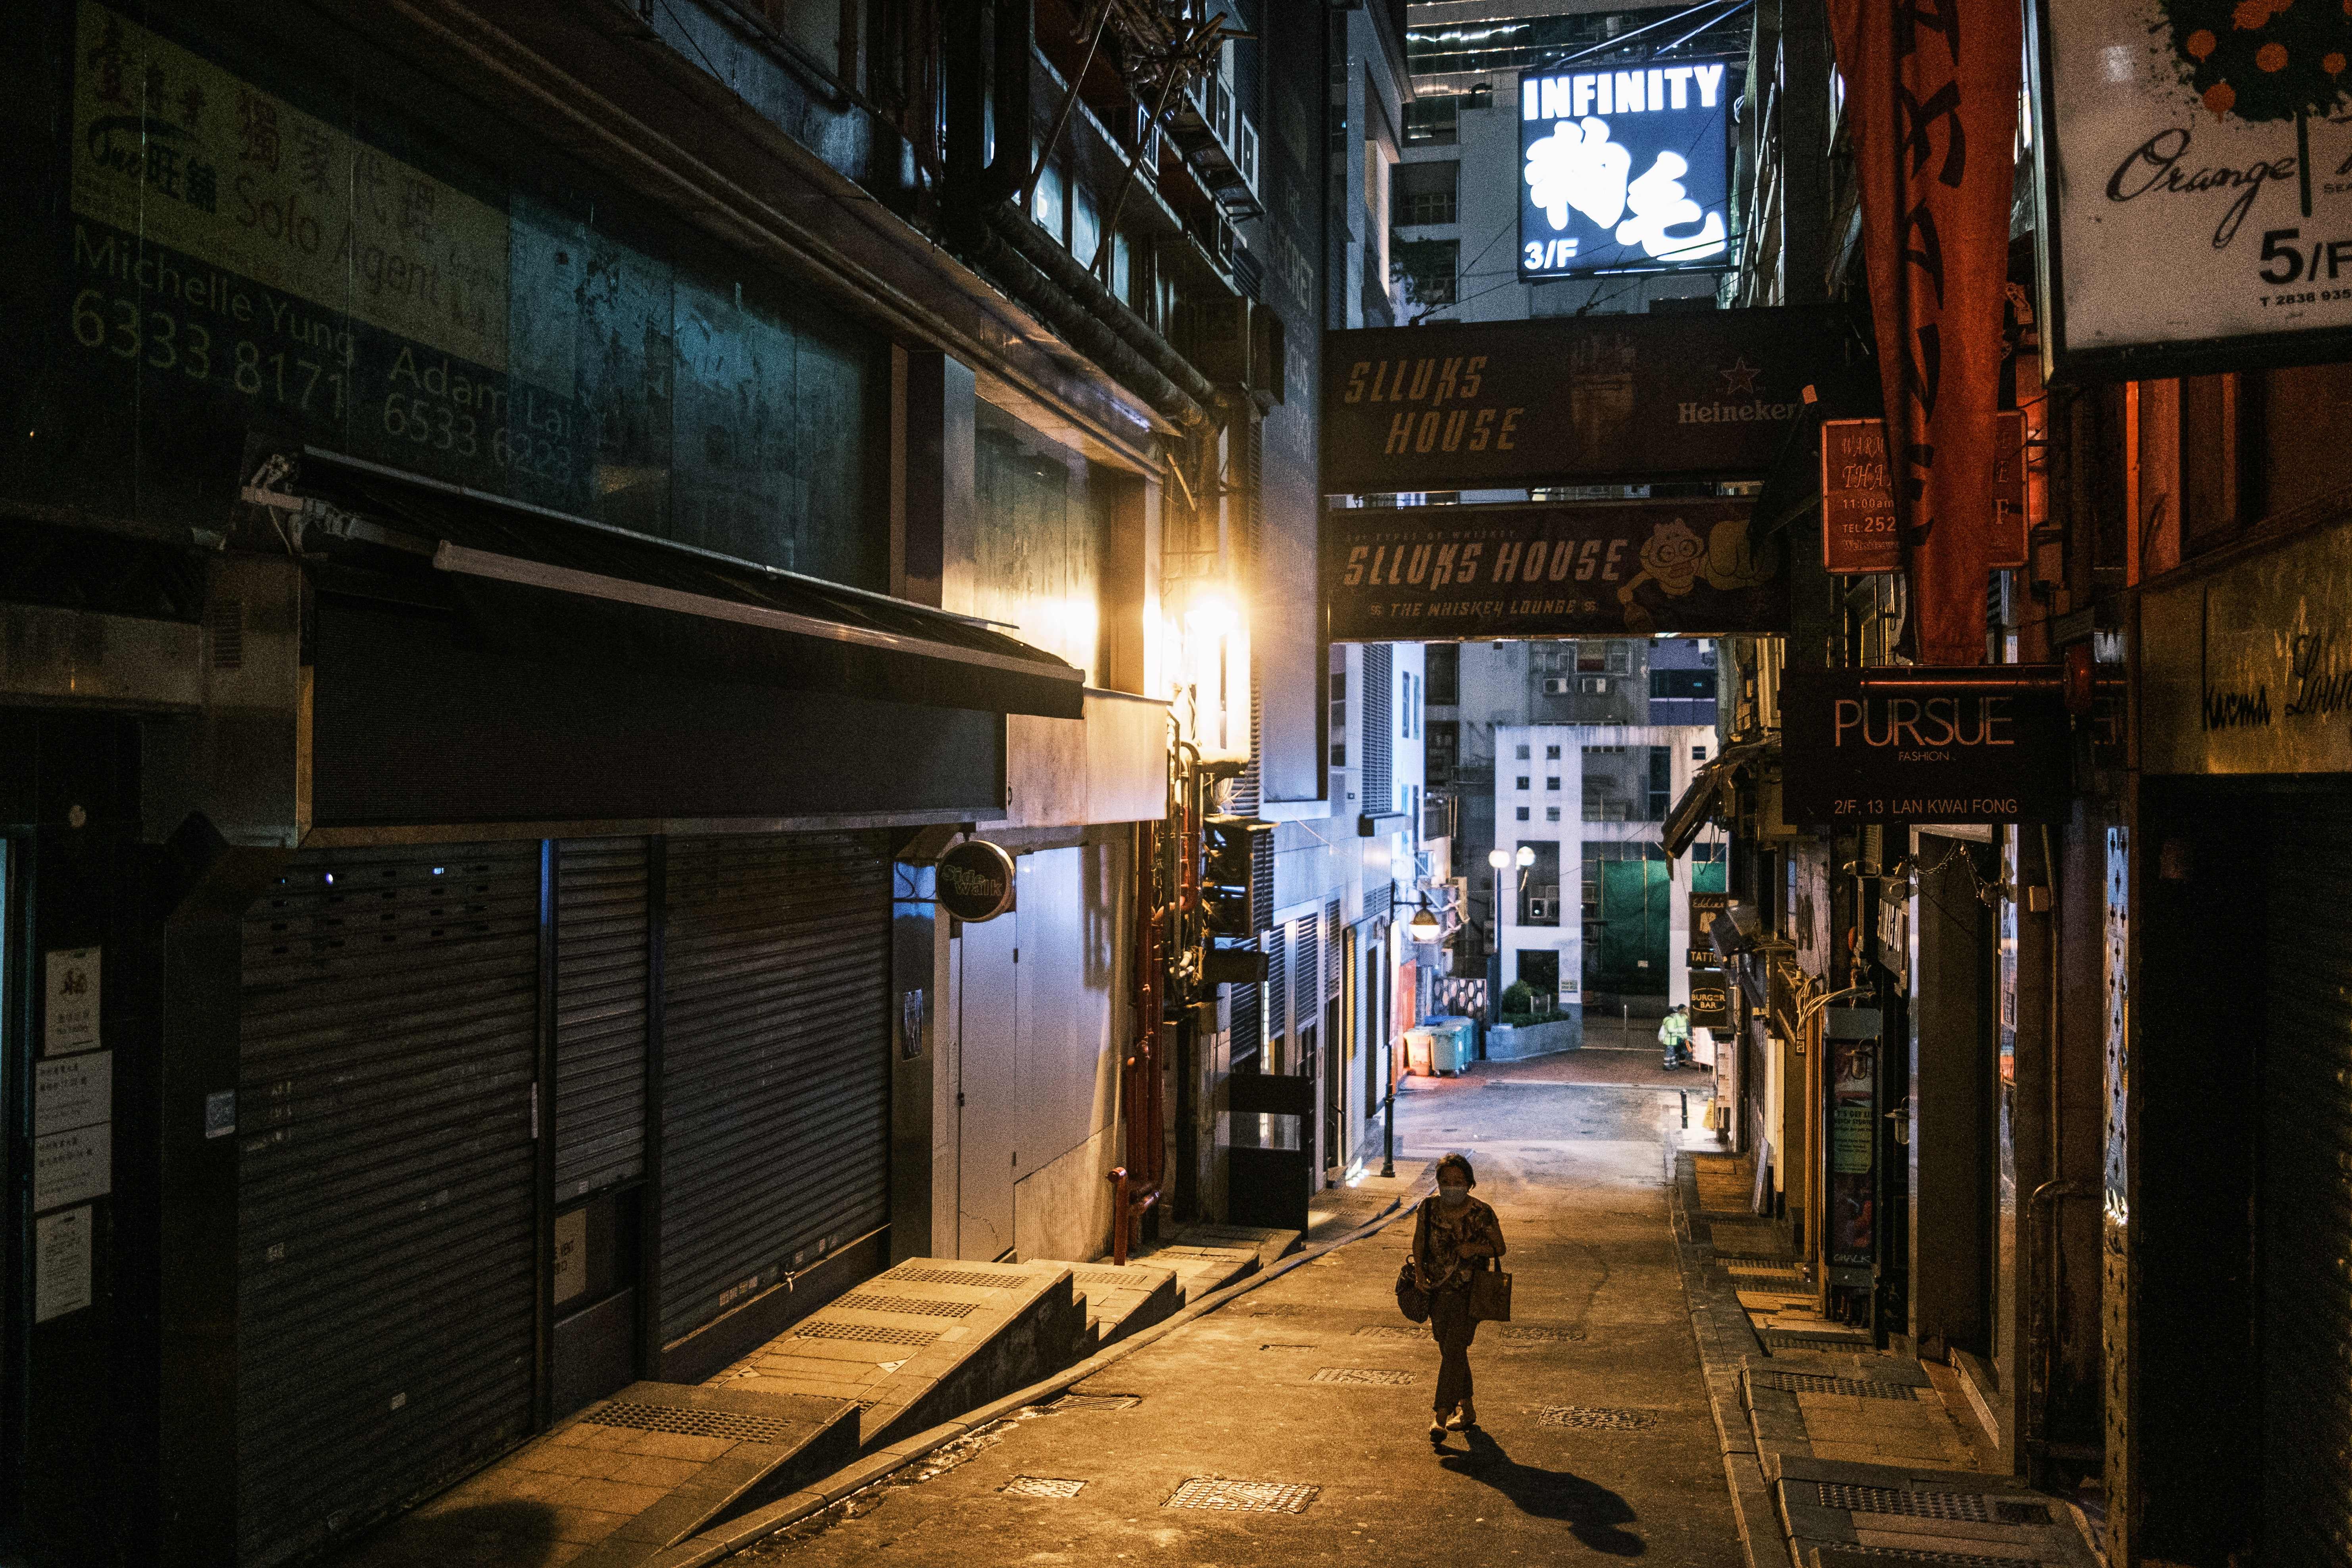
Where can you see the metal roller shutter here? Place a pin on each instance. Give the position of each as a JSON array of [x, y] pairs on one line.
[[601, 930], [2307, 1202], [385, 1211], [775, 1063]]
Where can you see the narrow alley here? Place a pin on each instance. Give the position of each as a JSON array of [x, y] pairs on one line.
[[1596, 1435]]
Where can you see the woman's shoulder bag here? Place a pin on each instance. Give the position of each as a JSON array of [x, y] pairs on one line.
[[1410, 1299]]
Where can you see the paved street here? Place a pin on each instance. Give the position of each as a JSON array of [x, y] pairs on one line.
[[1597, 1438]]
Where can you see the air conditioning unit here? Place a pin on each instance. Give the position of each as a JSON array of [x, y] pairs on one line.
[[1596, 684], [1557, 685]]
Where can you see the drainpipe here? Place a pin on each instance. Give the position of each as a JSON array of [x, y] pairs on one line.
[[1062, 268]]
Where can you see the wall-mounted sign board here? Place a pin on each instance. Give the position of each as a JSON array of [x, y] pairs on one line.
[[1445, 573], [1578, 400], [1946, 745], [976, 880], [1858, 528], [1626, 171], [2191, 159]]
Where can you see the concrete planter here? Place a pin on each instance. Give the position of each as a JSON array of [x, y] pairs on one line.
[[1506, 1043]]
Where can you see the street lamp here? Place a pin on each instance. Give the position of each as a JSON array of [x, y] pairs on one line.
[[1425, 926]]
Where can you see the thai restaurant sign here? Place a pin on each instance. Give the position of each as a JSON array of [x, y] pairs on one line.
[[1946, 745], [1707, 394], [2193, 157], [1858, 529], [2250, 670], [1442, 574]]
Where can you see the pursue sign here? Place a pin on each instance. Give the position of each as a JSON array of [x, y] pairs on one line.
[[1576, 400], [1943, 745], [975, 880], [1607, 569], [2193, 155]]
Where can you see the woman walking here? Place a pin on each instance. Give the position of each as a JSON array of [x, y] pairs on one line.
[[1453, 1236]]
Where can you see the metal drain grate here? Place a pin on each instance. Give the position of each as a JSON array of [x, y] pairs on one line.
[[1960, 1508], [1378, 1376], [1537, 1333], [978, 1279], [1071, 1403], [692, 1423], [909, 1306], [1832, 1556], [1761, 1271], [1791, 1340], [1597, 1418], [867, 1333], [1392, 1331], [1041, 1486], [1814, 1382], [1243, 1497]]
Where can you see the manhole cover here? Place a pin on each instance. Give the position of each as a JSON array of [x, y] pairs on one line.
[[1535, 1333], [1597, 1418], [1243, 1497], [1070, 1403], [1041, 1486], [868, 1333], [907, 1306], [1385, 1377], [1961, 1507], [692, 1423], [1392, 1331], [979, 1279], [1813, 1382]]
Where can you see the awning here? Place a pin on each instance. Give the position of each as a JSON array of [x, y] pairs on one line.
[[547, 586], [1702, 801]]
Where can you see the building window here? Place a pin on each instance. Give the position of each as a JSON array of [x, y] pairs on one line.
[[1426, 193], [1552, 782], [1442, 669], [1551, 813], [1523, 781], [1339, 718], [1698, 754], [1523, 753], [1429, 270], [1661, 783], [1523, 813], [1551, 754], [1433, 121]]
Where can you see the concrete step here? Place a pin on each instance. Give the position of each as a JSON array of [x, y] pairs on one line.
[[928, 1340], [1271, 1245], [629, 1476], [1121, 1300], [1208, 1257]]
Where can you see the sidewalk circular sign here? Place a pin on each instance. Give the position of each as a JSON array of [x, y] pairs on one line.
[[975, 880]]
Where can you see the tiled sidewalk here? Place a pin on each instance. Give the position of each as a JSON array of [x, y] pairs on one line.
[[1838, 1456]]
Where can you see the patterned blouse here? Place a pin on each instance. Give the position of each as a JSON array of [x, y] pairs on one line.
[[1447, 1244]]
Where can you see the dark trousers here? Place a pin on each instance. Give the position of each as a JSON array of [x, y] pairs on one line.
[[1451, 1324]]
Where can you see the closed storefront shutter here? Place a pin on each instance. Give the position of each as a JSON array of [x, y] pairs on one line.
[[601, 969], [775, 1063], [2306, 1199], [386, 1221]]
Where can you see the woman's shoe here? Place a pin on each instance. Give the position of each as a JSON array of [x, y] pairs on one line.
[[1464, 1418], [1437, 1431]]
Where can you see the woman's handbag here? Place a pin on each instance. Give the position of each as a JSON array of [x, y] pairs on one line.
[[1412, 1300], [1490, 1296]]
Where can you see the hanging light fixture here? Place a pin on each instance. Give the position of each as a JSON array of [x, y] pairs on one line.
[[1425, 925]]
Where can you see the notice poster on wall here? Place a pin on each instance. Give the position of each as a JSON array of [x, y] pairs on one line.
[[70, 1005], [62, 1247], [2196, 184]]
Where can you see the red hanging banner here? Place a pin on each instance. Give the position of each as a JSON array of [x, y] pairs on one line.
[[1931, 93]]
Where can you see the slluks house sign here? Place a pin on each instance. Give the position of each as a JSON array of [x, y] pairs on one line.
[[1709, 394]]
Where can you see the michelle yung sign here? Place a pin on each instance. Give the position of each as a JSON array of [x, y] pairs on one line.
[[1974, 744]]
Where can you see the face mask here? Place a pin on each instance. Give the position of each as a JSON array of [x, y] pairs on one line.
[[1453, 1194]]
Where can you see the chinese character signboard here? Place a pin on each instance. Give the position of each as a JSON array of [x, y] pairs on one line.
[[1934, 745], [1442, 574], [1574, 400], [2192, 157], [1858, 527], [1624, 170]]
